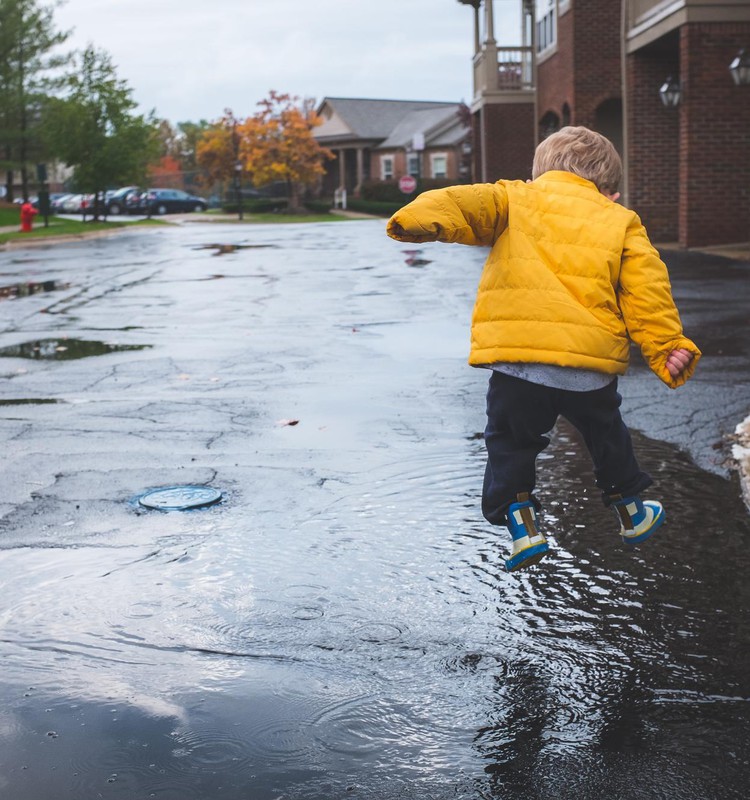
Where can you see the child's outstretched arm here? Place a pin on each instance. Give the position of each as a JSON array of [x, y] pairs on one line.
[[474, 214], [649, 311]]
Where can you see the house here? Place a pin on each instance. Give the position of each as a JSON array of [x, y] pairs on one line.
[[382, 140], [665, 80]]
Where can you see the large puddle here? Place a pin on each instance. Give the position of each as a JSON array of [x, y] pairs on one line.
[[340, 625], [66, 349]]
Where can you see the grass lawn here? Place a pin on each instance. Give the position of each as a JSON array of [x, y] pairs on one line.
[[277, 217], [9, 216], [57, 226], [285, 218]]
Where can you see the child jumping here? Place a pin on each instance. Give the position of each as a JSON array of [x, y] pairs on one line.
[[570, 279]]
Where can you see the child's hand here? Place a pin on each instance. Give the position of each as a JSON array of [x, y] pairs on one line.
[[677, 360], [395, 229]]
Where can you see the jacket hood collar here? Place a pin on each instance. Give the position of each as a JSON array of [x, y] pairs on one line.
[[561, 176]]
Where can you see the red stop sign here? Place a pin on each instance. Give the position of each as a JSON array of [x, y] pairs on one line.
[[407, 184]]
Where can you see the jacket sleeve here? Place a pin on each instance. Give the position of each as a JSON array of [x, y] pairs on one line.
[[649, 311], [473, 214]]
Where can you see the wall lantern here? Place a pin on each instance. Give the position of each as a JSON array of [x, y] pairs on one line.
[[740, 68], [670, 93]]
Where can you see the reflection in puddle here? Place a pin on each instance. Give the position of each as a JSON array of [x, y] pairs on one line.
[[223, 249], [28, 401], [218, 660], [414, 258], [65, 349], [15, 290]]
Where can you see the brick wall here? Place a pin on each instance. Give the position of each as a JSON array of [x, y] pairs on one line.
[[653, 142], [476, 146], [714, 137], [555, 74], [597, 60], [509, 140]]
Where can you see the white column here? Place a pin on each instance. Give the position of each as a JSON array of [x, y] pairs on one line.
[[360, 168], [489, 19], [342, 169], [477, 43]]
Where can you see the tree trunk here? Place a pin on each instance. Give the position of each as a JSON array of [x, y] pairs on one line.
[[8, 179], [24, 178], [294, 204]]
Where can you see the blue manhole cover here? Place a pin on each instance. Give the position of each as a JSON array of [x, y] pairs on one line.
[[180, 498]]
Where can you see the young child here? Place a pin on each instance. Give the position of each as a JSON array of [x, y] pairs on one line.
[[570, 279]]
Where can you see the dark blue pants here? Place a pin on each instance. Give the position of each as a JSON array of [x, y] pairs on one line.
[[520, 414]]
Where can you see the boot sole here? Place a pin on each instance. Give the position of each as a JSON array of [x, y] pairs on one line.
[[527, 558], [655, 525]]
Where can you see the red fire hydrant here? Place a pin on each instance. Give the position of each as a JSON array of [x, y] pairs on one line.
[[27, 216]]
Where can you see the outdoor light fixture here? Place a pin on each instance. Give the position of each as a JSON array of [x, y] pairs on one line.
[[670, 93], [740, 68]]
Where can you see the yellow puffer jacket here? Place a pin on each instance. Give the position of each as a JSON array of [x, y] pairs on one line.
[[570, 278]]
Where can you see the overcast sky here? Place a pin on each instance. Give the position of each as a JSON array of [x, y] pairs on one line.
[[191, 59]]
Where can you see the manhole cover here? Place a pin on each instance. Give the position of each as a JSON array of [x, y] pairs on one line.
[[180, 498]]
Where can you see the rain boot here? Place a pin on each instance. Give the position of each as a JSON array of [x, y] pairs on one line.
[[639, 519], [529, 546]]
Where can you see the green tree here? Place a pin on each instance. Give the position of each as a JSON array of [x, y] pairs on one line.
[[94, 128], [29, 71], [188, 136]]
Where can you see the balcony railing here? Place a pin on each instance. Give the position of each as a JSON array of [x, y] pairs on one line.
[[514, 68], [506, 69]]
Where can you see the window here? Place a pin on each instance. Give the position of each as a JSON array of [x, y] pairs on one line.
[[386, 167], [439, 165], [412, 164], [546, 28]]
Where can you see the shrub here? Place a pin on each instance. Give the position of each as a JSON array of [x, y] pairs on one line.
[[319, 206], [388, 191], [256, 206]]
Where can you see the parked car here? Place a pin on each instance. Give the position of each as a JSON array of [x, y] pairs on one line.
[[77, 204], [56, 203], [169, 201], [117, 202]]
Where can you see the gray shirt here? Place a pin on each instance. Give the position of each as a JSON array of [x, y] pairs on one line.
[[571, 379]]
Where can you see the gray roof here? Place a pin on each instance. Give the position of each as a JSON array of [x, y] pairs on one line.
[[375, 119], [428, 121]]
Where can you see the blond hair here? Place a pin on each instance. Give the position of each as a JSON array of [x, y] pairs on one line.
[[583, 152]]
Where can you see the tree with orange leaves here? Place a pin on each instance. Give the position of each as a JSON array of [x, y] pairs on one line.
[[277, 144], [217, 150], [167, 173]]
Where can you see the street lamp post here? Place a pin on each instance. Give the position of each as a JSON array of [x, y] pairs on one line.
[[238, 186], [237, 161]]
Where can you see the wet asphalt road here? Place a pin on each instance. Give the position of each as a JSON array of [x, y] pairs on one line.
[[340, 625]]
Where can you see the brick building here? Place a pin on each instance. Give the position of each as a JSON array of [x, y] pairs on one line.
[[383, 140], [601, 63]]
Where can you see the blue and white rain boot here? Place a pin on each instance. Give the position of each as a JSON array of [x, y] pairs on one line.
[[639, 519], [529, 546]]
